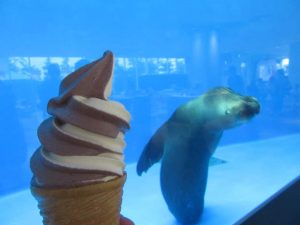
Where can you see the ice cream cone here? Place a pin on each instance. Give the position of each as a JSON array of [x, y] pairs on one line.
[[82, 147], [94, 204]]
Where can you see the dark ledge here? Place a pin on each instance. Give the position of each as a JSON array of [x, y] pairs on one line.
[[282, 208]]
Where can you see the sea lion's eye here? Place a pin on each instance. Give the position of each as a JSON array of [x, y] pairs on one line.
[[227, 112]]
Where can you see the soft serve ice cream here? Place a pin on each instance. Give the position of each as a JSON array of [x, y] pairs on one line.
[[83, 141]]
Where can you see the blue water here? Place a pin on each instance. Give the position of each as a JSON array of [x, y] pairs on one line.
[[167, 52]]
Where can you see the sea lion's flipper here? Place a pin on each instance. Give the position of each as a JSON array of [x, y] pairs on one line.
[[153, 151]]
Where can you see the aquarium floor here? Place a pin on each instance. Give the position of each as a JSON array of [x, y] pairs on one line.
[[252, 173]]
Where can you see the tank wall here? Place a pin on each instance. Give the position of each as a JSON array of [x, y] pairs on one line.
[[166, 54]]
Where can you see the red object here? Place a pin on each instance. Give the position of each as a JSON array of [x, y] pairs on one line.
[[125, 221]]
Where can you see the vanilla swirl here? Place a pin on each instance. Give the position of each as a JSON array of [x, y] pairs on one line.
[[83, 141], [68, 140]]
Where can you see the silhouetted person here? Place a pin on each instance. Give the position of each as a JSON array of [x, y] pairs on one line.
[[50, 86], [13, 147], [295, 93], [252, 88], [235, 81], [279, 89], [258, 89]]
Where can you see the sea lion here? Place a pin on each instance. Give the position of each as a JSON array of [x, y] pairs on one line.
[[187, 141]]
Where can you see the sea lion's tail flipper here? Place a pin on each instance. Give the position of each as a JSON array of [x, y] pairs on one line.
[[153, 151]]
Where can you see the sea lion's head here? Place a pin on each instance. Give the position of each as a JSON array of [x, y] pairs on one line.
[[228, 109]]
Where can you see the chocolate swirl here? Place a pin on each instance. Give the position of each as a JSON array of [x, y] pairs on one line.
[[83, 141]]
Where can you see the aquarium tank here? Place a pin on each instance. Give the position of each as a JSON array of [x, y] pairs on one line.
[[213, 93]]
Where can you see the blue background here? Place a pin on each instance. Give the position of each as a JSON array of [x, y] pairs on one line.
[[167, 52]]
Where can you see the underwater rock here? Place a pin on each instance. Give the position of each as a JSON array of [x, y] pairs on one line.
[[186, 142]]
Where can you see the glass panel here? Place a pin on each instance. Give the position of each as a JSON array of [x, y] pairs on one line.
[[166, 54]]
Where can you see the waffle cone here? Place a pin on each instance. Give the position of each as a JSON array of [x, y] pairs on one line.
[[95, 204]]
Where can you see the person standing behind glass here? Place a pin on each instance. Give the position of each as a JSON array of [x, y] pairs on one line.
[[235, 81], [279, 89], [49, 86], [13, 146]]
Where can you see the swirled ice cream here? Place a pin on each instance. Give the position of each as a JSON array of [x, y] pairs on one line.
[[83, 141]]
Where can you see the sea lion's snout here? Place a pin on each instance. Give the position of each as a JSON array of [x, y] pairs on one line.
[[251, 107]]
